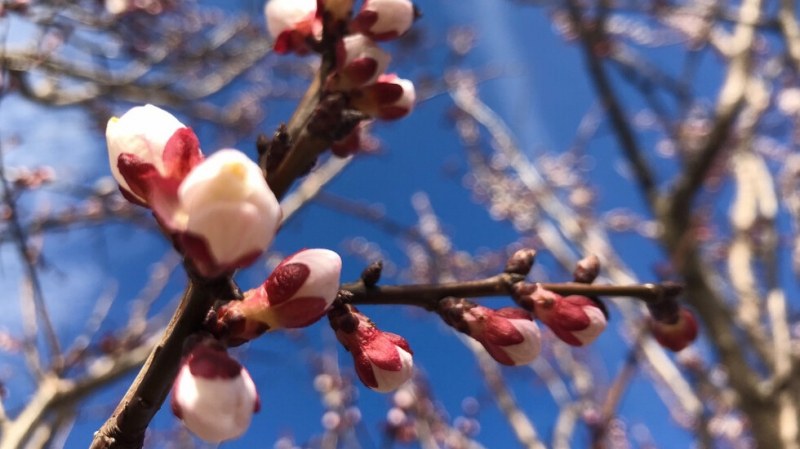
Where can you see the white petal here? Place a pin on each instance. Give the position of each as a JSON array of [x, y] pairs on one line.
[[325, 270], [216, 409], [391, 380], [525, 352], [283, 15], [393, 15], [597, 325], [142, 131]]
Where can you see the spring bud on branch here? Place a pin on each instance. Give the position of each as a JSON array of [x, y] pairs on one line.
[[148, 150], [383, 360], [384, 19], [509, 334], [298, 293], [213, 394], [226, 215]]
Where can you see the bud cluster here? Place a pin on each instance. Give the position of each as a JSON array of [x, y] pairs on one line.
[[219, 211], [360, 64], [213, 394]]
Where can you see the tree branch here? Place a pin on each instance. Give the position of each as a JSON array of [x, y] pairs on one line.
[[126, 427]]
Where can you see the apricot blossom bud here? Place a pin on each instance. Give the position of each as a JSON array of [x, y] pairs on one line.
[[149, 149], [587, 269], [576, 320], [227, 215], [678, 335], [359, 62], [509, 334], [389, 98], [383, 360], [297, 294], [384, 19], [291, 23], [213, 394]]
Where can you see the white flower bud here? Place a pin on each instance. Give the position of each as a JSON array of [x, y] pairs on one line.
[[290, 22], [226, 203], [359, 62], [214, 395], [141, 136], [385, 19]]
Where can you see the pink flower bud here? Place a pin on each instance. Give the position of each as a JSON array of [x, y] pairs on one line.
[[509, 334], [677, 335], [359, 62], [383, 360], [576, 320], [297, 294], [389, 98], [291, 23], [384, 19], [226, 214], [149, 149], [213, 394]]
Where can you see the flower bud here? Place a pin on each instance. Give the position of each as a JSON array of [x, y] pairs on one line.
[[359, 62], [291, 23], [297, 294], [213, 394], [227, 214], [148, 148], [521, 262], [384, 19], [509, 334], [383, 360], [389, 98], [576, 320], [678, 335], [587, 269]]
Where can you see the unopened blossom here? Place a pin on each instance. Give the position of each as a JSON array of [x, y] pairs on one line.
[[383, 360], [358, 62], [509, 334], [150, 150], [226, 214], [384, 19], [577, 320], [297, 293], [213, 394], [678, 335], [291, 23], [389, 98]]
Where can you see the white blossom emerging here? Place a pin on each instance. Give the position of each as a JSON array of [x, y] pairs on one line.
[[226, 201]]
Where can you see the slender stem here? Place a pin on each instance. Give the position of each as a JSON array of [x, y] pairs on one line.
[[428, 295], [126, 427]]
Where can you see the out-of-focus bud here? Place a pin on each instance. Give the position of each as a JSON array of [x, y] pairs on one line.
[[213, 394], [358, 62], [678, 335], [227, 215], [389, 98], [587, 269], [384, 19], [383, 360], [509, 334], [521, 262], [576, 320], [149, 149], [291, 23], [296, 294]]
